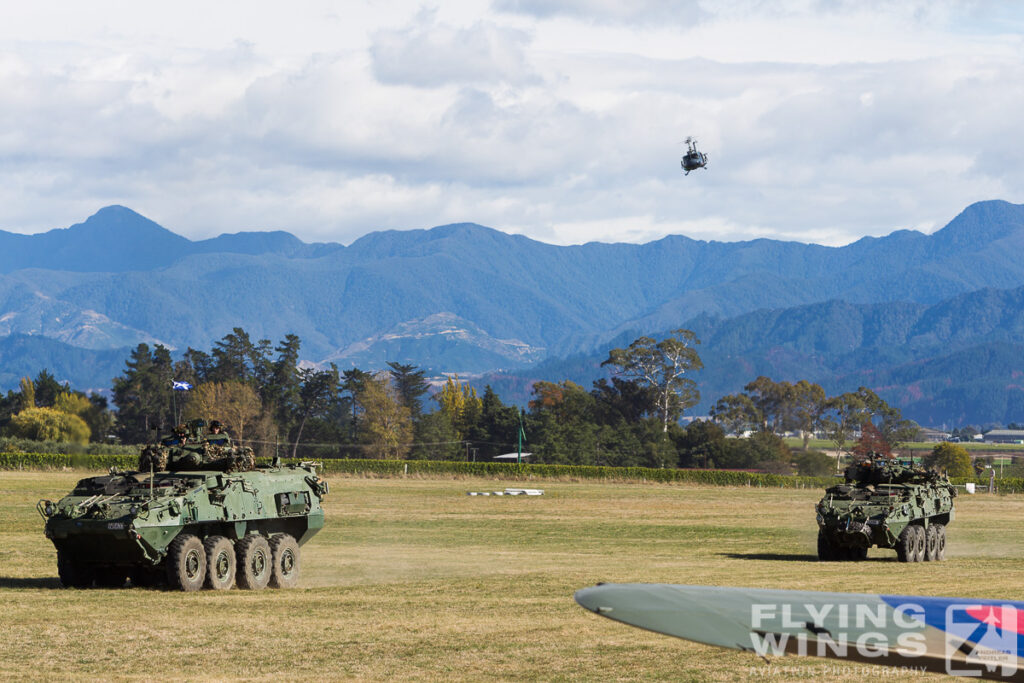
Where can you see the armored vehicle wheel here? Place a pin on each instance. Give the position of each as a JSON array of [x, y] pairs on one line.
[[919, 543], [931, 543], [940, 542], [254, 562], [905, 544], [284, 551], [186, 563], [826, 553], [858, 554], [72, 573], [220, 563]]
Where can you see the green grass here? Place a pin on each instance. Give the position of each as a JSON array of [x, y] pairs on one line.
[[413, 580]]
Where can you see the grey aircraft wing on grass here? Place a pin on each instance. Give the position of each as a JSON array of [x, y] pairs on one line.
[[956, 636]]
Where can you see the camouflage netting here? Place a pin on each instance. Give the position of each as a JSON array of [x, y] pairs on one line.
[[205, 456], [153, 457]]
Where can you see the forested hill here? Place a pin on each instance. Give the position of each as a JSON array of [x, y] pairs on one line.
[[468, 298], [957, 362]]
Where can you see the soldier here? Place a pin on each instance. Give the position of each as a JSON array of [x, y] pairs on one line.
[[217, 434]]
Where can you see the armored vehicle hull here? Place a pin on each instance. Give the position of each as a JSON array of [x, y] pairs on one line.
[[189, 529], [886, 505]]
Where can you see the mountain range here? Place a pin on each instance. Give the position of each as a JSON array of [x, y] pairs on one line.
[[899, 313]]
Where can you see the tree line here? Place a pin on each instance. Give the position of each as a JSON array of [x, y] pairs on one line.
[[272, 401]]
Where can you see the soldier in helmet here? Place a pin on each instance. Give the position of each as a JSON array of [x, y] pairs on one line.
[[217, 434]]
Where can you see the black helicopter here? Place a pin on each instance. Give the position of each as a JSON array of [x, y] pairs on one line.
[[693, 159]]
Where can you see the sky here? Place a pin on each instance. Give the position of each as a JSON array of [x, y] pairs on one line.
[[563, 121]]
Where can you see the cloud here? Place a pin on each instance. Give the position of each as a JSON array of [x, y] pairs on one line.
[[429, 54], [638, 12], [550, 125]]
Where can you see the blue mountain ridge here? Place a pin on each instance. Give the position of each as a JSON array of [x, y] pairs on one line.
[[119, 278]]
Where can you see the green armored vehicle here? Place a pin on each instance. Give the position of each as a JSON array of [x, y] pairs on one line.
[[883, 503], [197, 513]]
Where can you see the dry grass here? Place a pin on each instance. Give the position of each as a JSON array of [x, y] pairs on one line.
[[414, 580]]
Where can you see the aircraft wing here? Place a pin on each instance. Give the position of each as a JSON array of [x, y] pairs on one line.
[[958, 636]]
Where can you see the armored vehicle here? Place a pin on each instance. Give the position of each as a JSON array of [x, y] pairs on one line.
[[889, 505], [195, 514]]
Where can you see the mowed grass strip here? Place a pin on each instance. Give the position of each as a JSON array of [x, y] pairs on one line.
[[414, 580]]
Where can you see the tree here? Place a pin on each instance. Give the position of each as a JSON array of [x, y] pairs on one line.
[[236, 357], [28, 393], [460, 403], [410, 384], [951, 457], [47, 388], [813, 464], [662, 365], [232, 402], [737, 414], [47, 424], [701, 443], [871, 442], [843, 414], [317, 388], [353, 381], [775, 403], [623, 401], [143, 393], [387, 423], [808, 408], [436, 438]]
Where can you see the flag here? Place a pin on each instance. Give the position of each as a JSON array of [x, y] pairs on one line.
[[180, 386]]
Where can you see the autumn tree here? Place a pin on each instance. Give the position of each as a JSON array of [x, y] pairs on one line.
[[386, 423], [48, 424], [460, 403], [232, 402], [871, 442], [950, 457], [662, 365]]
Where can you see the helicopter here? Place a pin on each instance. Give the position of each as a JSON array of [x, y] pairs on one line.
[[693, 159]]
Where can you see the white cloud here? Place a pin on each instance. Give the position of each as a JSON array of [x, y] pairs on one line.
[[823, 121]]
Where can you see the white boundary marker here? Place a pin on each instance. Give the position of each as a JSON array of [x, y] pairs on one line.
[[508, 492]]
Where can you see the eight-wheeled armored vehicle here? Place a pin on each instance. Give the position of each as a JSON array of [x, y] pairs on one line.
[[889, 505], [197, 513]]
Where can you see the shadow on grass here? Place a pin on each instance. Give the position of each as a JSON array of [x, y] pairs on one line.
[[33, 582], [788, 557]]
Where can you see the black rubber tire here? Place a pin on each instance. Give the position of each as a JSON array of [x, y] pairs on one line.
[[73, 574], [220, 563], [186, 563], [919, 543], [905, 544], [858, 554], [940, 542], [931, 543], [254, 561], [284, 550]]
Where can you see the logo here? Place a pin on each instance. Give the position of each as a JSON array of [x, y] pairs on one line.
[[982, 637]]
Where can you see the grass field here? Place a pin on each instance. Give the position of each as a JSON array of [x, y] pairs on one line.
[[413, 580]]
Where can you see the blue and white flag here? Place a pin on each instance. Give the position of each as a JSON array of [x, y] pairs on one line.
[[180, 386]]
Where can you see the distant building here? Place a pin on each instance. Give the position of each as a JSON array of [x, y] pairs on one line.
[[933, 435], [1005, 436]]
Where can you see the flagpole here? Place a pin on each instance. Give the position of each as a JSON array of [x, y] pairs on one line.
[[519, 452]]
